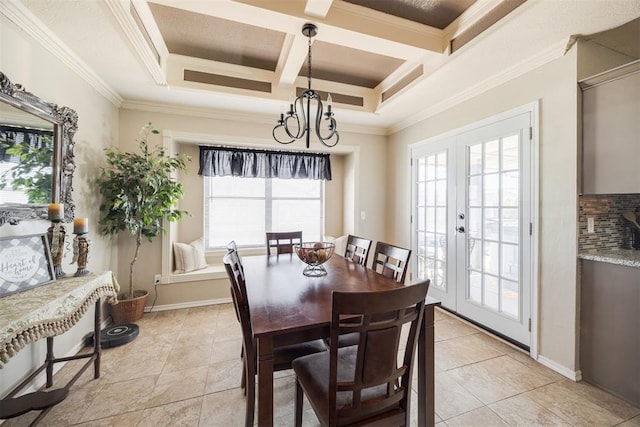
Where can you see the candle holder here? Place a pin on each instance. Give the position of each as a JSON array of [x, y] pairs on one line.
[[81, 251], [56, 234]]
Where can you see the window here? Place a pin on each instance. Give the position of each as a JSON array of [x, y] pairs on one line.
[[244, 209]]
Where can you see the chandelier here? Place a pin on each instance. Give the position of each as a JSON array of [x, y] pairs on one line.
[[296, 123]]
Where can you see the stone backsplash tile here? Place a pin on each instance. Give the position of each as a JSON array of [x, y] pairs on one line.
[[612, 231]]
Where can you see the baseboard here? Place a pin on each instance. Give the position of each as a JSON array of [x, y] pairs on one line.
[[562, 370], [191, 304]]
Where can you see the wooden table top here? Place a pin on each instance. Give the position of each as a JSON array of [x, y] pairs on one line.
[[283, 299]]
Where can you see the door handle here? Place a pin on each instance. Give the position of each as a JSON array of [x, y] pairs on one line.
[[460, 229]]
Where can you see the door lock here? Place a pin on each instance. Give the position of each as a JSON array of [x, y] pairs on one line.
[[460, 229]]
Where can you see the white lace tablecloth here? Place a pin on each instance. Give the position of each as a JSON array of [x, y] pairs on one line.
[[50, 310]]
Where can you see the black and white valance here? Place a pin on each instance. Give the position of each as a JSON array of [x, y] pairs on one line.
[[244, 162]]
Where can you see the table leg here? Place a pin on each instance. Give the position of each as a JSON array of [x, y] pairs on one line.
[[426, 369], [49, 360], [97, 349], [265, 382]]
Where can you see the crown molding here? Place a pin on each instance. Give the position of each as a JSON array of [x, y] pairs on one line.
[[139, 43], [17, 13], [543, 57], [203, 112]]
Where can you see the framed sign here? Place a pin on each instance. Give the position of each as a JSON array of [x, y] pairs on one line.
[[25, 262]]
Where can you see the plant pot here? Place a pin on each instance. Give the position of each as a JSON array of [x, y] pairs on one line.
[[129, 310]]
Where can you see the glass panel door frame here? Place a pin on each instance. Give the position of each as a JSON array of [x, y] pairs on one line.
[[481, 166], [441, 245], [530, 269]]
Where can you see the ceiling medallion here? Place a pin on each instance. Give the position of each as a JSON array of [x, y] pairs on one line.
[[297, 123]]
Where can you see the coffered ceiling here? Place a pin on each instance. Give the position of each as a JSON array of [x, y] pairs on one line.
[[382, 61], [365, 52]]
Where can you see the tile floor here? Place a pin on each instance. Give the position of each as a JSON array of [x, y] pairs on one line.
[[184, 370]]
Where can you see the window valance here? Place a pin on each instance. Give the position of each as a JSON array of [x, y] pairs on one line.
[[244, 162]]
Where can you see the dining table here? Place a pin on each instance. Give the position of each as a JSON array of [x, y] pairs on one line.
[[287, 307]]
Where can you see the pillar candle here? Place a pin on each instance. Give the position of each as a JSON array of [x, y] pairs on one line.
[[55, 211], [80, 225]]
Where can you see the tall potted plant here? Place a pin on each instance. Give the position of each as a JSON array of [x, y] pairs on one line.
[[138, 192]]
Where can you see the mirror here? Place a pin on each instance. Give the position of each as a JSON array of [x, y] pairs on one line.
[[36, 155]]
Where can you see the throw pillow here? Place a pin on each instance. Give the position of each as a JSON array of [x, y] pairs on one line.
[[189, 256]]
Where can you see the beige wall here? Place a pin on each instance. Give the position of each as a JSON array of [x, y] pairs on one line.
[[24, 61], [365, 183], [554, 85]]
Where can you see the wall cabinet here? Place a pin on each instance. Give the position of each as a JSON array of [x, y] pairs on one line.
[[609, 328], [611, 131]]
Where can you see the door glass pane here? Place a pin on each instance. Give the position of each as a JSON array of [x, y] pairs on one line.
[[431, 168], [510, 153], [475, 159], [422, 169], [492, 224], [441, 165], [431, 193], [491, 292], [491, 189], [510, 188], [510, 261], [491, 156], [475, 287], [441, 250], [491, 257], [441, 192], [475, 191], [440, 274], [475, 254], [510, 297], [431, 219], [510, 225], [441, 220]]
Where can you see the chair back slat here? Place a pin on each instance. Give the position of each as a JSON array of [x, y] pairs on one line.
[[391, 261], [283, 242], [357, 249], [379, 318]]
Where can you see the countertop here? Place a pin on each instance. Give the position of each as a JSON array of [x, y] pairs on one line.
[[628, 257]]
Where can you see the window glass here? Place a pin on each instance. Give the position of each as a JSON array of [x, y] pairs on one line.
[[244, 209]]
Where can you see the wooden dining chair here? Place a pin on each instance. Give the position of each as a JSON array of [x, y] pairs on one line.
[[357, 249], [370, 382], [283, 242], [391, 261], [283, 356]]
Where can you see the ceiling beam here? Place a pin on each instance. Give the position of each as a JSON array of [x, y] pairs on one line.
[[292, 55], [318, 8]]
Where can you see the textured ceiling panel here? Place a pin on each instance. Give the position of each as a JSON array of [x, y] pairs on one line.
[[202, 36], [350, 66], [435, 13], [496, 14]]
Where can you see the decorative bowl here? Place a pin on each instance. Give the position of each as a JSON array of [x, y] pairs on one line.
[[314, 254]]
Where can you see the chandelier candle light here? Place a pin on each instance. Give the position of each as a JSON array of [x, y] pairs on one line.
[[297, 123]]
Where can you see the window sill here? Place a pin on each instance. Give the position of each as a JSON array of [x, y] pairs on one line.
[[213, 271]]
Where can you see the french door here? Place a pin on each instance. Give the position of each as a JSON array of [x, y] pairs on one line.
[[472, 220]]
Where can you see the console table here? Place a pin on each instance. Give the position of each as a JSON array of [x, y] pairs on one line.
[[45, 312]]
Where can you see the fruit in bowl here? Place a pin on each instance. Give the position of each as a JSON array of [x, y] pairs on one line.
[[314, 254]]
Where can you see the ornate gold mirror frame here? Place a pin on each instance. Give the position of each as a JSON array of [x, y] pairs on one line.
[[65, 124]]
